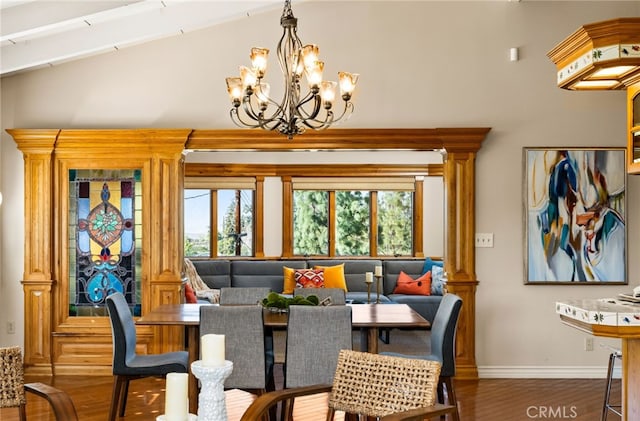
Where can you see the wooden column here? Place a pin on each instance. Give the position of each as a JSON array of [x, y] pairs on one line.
[[37, 148], [459, 255]]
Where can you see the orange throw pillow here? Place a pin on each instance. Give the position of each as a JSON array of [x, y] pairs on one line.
[[407, 285], [334, 276], [289, 280], [189, 294], [309, 278]]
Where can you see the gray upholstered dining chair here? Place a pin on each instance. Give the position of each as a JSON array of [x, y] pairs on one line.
[[242, 295], [127, 364], [315, 336], [443, 342], [245, 345], [337, 295]]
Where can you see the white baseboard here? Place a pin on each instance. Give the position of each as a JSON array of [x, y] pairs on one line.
[[537, 372]]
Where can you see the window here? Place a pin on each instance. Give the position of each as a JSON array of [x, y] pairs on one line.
[[331, 218], [230, 210]]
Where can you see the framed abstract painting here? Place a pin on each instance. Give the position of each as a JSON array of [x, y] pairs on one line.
[[575, 216]]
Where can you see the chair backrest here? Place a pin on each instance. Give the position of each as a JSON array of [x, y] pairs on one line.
[[11, 378], [243, 295], [123, 332], [443, 333], [244, 342], [337, 295], [378, 385], [315, 336]]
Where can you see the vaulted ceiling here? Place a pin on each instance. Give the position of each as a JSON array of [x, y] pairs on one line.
[[38, 33]]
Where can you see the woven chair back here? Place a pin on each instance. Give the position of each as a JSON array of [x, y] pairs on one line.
[[11, 378], [378, 385]]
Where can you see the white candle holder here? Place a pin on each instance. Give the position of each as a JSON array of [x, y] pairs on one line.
[[211, 402]]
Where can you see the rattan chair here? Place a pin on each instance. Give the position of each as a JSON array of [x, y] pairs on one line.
[[391, 388], [13, 388]]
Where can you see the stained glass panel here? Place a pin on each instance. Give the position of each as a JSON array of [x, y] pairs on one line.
[[105, 227]]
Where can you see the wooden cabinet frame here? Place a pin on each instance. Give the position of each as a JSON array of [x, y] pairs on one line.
[[55, 341]]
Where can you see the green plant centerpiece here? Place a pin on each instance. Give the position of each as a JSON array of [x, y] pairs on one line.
[[278, 303]]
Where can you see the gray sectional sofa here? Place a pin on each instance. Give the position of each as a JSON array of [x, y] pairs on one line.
[[247, 273]]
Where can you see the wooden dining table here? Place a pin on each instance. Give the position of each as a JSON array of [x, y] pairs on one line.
[[368, 318]]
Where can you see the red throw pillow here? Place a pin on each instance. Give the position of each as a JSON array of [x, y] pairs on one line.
[[309, 278], [189, 295], [407, 285]]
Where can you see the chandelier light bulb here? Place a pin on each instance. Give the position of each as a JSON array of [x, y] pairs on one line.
[[249, 78], [328, 93], [310, 54], [259, 60], [263, 95], [314, 74], [347, 82], [234, 88]]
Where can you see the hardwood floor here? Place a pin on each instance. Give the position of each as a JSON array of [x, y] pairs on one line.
[[481, 400]]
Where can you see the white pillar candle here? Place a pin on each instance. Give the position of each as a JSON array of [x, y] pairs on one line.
[[212, 347], [368, 277], [176, 402], [378, 271]]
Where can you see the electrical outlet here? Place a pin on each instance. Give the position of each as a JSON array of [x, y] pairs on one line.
[[484, 239], [11, 328], [588, 344]]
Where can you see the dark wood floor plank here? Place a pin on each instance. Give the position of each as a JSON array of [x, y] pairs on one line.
[[481, 400]]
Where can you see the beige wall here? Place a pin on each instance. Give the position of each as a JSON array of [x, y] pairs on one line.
[[423, 64]]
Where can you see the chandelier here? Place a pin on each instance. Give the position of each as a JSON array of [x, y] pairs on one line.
[[295, 112]]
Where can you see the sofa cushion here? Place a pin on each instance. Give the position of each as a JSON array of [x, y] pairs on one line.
[[407, 285], [333, 276], [309, 278], [438, 283], [354, 271], [263, 273], [215, 273], [189, 295], [391, 270], [429, 263]]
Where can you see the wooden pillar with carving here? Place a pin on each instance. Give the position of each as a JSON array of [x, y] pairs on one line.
[[459, 254], [37, 147]]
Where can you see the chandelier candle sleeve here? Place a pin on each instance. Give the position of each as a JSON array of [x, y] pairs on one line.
[[212, 347], [176, 405]]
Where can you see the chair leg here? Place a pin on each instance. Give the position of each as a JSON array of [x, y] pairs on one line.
[[123, 397], [22, 410], [606, 407], [451, 396], [115, 396]]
